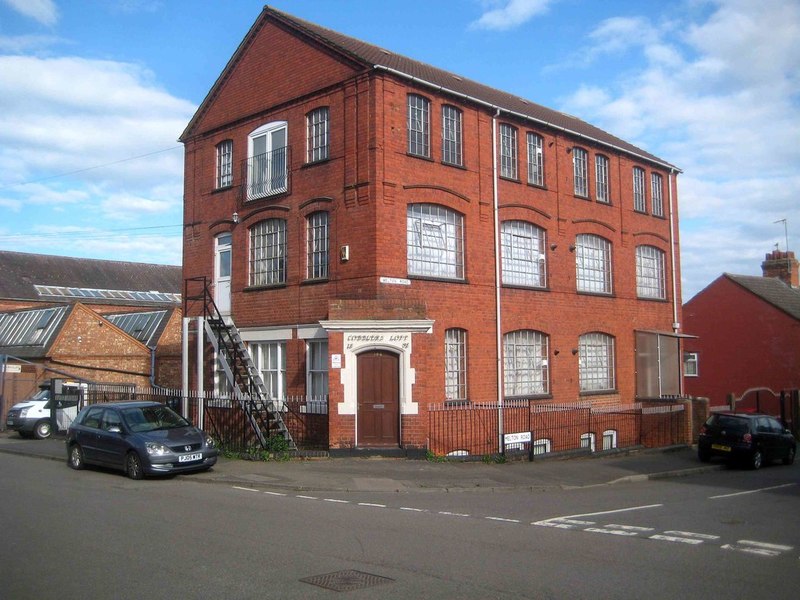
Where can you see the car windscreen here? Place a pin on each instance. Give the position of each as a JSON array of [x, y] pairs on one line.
[[151, 418], [732, 424]]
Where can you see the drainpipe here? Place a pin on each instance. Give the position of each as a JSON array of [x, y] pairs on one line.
[[152, 366], [499, 341], [675, 324]]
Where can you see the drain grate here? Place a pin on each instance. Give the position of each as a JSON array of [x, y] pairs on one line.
[[347, 580]]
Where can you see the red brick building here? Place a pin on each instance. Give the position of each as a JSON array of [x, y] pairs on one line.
[[393, 236], [748, 332]]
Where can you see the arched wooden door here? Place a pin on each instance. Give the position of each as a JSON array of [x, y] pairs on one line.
[[378, 399]]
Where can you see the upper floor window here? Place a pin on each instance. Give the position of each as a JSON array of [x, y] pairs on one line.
[[317, 368], [639, 200], [317, 134], [596, 362], [593, 264], [317, 248], [419, 126], [523, 256], [535, 159], [601, 178], [581, 171], [435, 240], [657, 194], [267, 160], [268, 252], [224, 164], [451, 135], [508, 151], [650, 276], [690, 362], [455, 365], [525, 363]]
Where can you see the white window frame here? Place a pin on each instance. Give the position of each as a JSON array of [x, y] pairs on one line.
[[452, 135], [419, 126], [435, 241], [639, 198], [609, 439], [268, 253], [508, 151], [526, 364], [588, 441], [657, 194], [593, 264], [224, 175], [650, 274], [455, 365], [596, 369], [601, 171], [317, 245], [267, 171], [580, 164], [317, 369], [270, 360], [541, 446], [535, 159], [522, 248], [691, 364], [318, 134]]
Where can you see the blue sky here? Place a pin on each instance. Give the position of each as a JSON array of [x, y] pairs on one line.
[[94, 94]]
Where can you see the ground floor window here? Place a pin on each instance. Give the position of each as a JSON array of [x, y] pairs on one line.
[[541, 447], [587, 441], [609, 439], [317, 368], [270, 360]]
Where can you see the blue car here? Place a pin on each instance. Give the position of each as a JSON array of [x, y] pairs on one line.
[[139, 438]]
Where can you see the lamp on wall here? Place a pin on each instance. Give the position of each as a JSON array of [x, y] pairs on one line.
[[235, 217], [572, 247], [574, 351]]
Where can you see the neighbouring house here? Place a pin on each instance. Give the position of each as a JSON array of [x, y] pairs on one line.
[[748, 332], [396, 238], [96, 320]]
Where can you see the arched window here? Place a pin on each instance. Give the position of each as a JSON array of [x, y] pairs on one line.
[[317, 245], [525, 363], [435, 241], [580, 164], [267, 160], [650, 276], [419, 126], [601, 179], [593, 264], [523, 253], [596, 362], [268, 252]]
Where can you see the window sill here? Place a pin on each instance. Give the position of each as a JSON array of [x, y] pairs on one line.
[[420, 156], [596, 294], [544, 396], [221, 189], [603, 202], [315, 163], [520, 286], [454, 165], [511, 179], [582, 197], [648, 299], [538, 186], [439, 279], [611, 392], [314, 281], [263, 288], [640, 212]]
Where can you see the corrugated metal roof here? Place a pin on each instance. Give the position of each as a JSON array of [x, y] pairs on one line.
[[375, 57], [22, 272], [772, 290], [144, 326], [29, 332]]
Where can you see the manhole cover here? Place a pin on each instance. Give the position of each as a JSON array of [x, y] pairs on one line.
[[347, 580]]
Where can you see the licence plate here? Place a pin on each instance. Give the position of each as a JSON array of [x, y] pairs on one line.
[[190, 457], [721, 447], [10, 421]]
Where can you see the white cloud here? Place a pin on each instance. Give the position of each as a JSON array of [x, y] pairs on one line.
[[510, 13], [44, 11], [720, 100]]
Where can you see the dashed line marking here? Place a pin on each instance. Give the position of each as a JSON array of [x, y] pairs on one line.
[[691, 534], [677, 539], [274, 494], [452, 514], [413, 509], [244, 489], [372, 504], [306, 497], [630, 528], [611, 531], [504, 520], [336, 501], [766, 546]]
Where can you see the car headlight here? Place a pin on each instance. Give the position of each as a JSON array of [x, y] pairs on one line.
[[23, 413], [156, 449], [210, 441]]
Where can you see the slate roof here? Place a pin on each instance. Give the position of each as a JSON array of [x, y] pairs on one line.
[[772, 290], [28, 333], [20, 273], [146, 327], [375, 57]]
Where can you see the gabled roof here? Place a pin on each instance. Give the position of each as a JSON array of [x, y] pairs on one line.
[[375, 57], [144, 326], [29, 333], [771, 290], [69, 279]]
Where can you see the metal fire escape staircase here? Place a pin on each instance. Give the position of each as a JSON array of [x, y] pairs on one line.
[[263, 412]]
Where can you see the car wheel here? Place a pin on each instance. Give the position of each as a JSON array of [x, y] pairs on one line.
[[75, 459], [133, 466], [43, 430], [756, 459], [789, 458], [704, 454]]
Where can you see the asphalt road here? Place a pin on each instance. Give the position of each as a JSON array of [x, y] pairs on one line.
[[96, 534]]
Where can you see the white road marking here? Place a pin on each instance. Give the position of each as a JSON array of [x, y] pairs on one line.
[[371, 504], [336, 501], [611, 531], [306, 497], [274, 494], [609, 512], [690, 534], [673, 538], [413, 509], [629, 528], [502, 519], [244, 489], [775, 487], [452, 514], [561, 523], [778, 547], [751, 550]]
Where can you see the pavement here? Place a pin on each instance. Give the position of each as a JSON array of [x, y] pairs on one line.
[[375, 474]]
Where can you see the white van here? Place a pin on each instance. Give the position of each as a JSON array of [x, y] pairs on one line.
[[31, 417]]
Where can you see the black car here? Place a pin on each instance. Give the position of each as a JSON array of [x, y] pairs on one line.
[[753, 439], [140, 438]]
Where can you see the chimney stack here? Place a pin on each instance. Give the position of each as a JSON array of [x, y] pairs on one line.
[[782, 265]]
